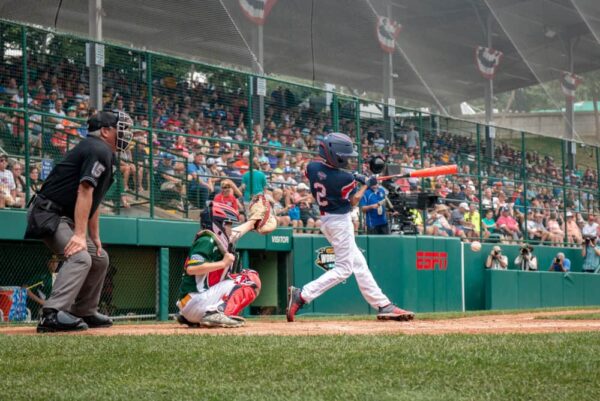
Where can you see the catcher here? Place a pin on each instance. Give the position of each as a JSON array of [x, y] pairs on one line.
[[212, 293]]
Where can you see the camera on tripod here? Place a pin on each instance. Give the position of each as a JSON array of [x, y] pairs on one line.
[[401, 222]]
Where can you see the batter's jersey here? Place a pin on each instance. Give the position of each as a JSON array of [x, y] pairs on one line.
[[203, 250], [331, 187]]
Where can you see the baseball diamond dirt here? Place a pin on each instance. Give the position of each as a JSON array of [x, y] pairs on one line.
[[529, 322]]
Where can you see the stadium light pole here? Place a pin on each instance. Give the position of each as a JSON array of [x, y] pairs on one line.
[[95, 53]]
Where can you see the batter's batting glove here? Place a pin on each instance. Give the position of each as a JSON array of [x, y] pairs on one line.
[[372, 181], [360, 178]]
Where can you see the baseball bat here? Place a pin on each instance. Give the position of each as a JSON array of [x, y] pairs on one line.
[[425, 172]]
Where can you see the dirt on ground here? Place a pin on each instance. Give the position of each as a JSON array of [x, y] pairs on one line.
[[486, 324]]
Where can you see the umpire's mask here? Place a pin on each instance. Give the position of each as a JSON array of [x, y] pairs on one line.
[[124, 134]]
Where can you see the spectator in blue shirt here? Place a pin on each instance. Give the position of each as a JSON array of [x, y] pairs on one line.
[[373, 205], [591, 255], [560, 264]]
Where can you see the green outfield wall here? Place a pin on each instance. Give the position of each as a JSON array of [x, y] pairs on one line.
[[425, 274]]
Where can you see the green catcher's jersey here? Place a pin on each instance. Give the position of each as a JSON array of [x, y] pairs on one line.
[[203, 250]]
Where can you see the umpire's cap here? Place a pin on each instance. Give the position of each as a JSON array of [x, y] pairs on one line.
[[102, 119]]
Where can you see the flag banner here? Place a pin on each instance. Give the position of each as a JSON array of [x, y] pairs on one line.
[[487, 60], [257, 11], [387, 33], [569, 83]]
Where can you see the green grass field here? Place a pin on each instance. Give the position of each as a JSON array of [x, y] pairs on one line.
[[579, 316], [398, 367]]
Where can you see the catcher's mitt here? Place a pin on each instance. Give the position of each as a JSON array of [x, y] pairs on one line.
[[260, 211]]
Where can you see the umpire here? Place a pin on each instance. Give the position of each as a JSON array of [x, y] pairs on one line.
[[64, 214]]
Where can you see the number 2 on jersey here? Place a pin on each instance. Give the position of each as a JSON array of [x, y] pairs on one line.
[[321, 194]]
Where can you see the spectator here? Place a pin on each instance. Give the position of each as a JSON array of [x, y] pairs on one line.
[[259, 182], [536, 230], [556, 234], [232, 172], [457, 220], [20, 185], [572, 229], [473, 220], [412, 138], [303, 199], [373, 205], [590, 229], [560, 263], [280, 210], [35, 184], [495, 260], [489, 225], [229, 194], [591, 255], [169, 185], [526, 260], [508, 225], [8, 191], [199, 186]]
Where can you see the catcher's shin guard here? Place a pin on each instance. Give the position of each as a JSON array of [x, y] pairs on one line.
[[243, 293]]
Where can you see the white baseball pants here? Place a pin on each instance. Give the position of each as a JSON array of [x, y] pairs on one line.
[[339, 231], [207, 301]]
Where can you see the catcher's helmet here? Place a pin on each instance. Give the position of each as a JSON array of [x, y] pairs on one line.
[[218, 213], [336, 148]]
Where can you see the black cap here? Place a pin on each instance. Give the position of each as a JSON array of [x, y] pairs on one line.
[[102, 119]]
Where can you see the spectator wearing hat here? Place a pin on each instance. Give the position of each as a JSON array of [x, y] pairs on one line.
[[507, 224], [526, 260], [496, 260], [169, 185], [303, 200], [199, 187], [232, 172], [285, 180], [373, 205], [572, 229]]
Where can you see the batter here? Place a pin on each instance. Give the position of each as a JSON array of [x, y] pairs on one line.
[[335, 191]]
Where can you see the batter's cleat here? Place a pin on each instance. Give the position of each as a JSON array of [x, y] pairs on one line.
[[182, 320], [295, 303], [392, 312], [97, 321], [219, 319], [54, 321]]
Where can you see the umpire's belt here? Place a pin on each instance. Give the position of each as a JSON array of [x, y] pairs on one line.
[[183, 301], [41, 202], [43, 218]]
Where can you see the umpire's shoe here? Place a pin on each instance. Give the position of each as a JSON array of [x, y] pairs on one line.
[[53, 321], [392, 312], [97, 321], [295, 302]]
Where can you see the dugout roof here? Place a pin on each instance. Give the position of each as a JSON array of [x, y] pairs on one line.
[[336, 41]]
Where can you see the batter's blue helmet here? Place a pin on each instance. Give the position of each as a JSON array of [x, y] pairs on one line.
[[336, 149]]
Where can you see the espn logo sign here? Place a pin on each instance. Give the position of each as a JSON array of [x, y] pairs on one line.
[[429, 260]]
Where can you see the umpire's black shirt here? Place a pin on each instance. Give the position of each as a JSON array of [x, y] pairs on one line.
[[92, 160]]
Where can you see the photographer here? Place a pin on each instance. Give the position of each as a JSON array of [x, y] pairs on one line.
[[591, 255], [526, 260], [560, 264], [373, 205], [496, 260]]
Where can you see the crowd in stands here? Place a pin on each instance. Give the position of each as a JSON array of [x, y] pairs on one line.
[[199, 152]]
